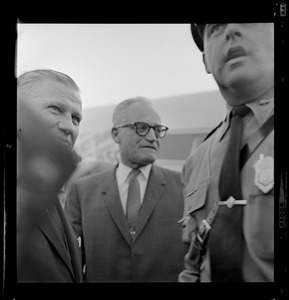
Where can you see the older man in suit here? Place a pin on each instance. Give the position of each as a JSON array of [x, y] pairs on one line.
[[49, 113], [128, 216]]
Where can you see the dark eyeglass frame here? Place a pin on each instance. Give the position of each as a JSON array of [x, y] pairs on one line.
[[159, 134]]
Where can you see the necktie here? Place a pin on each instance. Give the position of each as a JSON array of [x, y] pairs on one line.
[[133, 201], [226, 237]]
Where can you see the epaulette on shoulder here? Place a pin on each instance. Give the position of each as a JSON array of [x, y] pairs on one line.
[[212, 131]]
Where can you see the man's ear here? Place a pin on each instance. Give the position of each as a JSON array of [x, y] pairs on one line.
[[114, 134], [206, 64]]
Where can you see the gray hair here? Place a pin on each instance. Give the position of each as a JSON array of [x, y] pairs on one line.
[[28, 81], [119, 114]]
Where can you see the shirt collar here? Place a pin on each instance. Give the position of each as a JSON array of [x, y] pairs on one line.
[[226, 122], [145, 170], [261, 109], [125, 170]]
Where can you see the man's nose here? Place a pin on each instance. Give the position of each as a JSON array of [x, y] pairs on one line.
[[66, 125], [233, 31], [151, 136]]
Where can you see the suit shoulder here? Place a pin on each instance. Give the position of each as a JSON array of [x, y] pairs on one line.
[[212, 131], [94, 178], [170, 173], [200, 150]]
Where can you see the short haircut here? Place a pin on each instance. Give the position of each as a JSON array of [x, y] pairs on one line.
[[29, 81], [119, 114]]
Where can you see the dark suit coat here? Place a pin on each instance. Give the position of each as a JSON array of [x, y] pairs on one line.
[[41, 252], [95, 212]]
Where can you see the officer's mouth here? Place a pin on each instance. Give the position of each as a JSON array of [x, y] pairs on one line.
[[235, 53]]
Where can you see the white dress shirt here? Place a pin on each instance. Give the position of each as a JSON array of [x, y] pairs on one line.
[[122, 178]]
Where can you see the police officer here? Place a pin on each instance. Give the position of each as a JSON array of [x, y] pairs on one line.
[[241, 59]]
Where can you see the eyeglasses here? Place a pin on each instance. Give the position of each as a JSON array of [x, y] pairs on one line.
[[142, 129]]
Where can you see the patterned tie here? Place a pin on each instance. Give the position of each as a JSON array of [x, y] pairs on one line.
[[226, 237], [133, 201]]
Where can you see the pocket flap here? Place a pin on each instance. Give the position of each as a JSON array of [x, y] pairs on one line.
[[197, 198]]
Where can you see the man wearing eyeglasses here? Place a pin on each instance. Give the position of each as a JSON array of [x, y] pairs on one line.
[[128, 215]]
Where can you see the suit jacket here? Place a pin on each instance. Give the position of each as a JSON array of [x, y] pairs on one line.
[[42, 255], [258, 220], [95, 212], [84, 168]]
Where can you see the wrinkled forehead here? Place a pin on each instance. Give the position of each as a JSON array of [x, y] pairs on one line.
[[142, 112], [66, 93], [51, 89]]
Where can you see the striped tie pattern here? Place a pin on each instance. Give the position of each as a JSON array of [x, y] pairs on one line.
[[133, 200]]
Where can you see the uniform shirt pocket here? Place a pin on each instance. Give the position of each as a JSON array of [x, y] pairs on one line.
[[196, 198], [259, 222]]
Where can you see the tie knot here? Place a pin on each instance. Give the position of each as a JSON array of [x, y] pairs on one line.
[[134, 173], [241, 110]]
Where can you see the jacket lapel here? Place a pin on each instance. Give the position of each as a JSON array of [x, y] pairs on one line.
[[48, 228], [154, 191], [112, 201], [74, 249]]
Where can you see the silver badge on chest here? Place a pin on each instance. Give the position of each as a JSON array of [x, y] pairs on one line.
[[264, 173]]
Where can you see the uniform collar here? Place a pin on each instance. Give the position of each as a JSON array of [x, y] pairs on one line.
[[261, 109]]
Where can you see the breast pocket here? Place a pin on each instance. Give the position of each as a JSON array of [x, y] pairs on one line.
[[196, 198], [259, 222], [194, 201]]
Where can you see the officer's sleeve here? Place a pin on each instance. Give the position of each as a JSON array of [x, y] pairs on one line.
[[189, 226], [192, 271]]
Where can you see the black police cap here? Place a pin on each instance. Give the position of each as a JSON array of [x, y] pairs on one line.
[[197, 33]]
